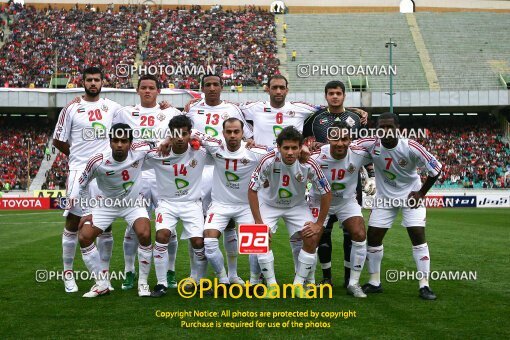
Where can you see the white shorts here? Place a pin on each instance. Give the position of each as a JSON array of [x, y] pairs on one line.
[[150, 188], [207, 181], [73, 191], [219, 214], [168, 214], [103, 217], [347, 208], [294, 218], [383, 218]]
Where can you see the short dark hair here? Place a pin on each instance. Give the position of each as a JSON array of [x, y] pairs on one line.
[[232, 120], [289, 133], [389, 115], [277, 76], [202, 81], [333, 85], [92, 70], [180, 121], [121, 130], [149, 77]]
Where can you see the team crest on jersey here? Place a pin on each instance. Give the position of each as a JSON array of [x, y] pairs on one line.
[[135, 164], [244, 161], [299, 177], [291, 113], [193, 163], [351, 168], [161, 116], [104, 107], [402, 162], [225, 116]]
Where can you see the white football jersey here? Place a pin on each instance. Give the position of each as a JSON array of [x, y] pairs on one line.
[[232, 170], [209, 119], [179, 176], [115, 179], [287, 183], [269, 121], [76, 125], [151, 124], [395, 169], [342, 174]]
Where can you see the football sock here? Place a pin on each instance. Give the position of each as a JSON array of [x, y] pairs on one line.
[[358, 255], [69, 243], [144, 263], [374, 259], [422, 258], [160, 253], [130, 246], [215, 258]]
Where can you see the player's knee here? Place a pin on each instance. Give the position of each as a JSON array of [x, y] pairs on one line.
[[85, 239], [197, 242], [163, 236], [72, 222], [211, 233], [358, 234], [144, 236]]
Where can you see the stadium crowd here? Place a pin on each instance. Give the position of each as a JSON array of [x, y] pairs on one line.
[[241, 44], [14, 142]]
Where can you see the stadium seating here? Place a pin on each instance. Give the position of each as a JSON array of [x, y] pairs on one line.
[[13, 153]]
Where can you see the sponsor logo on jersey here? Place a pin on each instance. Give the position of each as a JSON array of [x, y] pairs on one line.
[[135, 164], [284, 193], [104, 107], [98, 126], [299, 177], [231, 177], [161, 116], [276, 130], [291, 113], [267, 109], [110, 173], [402, 162], [211, 131], [127, 185], [338, 186], [181, 183], [351, 168], [389, 175], [193, 163]]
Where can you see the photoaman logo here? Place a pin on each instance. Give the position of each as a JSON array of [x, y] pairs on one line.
[[253, 239]]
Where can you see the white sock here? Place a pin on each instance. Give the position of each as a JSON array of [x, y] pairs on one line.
[[69, 243], [254, 269], [144, 263], [266, 262], [160, 253], [311, 275], [374, 259], [200, 263], [105, 247], [358, 256], [215, 258], [90, 256], [422, 258], [296, 244], [230, 244], [305, 264], [192, 264], [130, 246], [173, 244]]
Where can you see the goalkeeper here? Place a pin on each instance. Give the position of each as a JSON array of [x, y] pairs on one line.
[[315, 132]]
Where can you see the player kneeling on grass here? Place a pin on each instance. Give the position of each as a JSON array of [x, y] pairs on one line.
[[179, 176], [117, 172], [395, 162], [341, 163], [288, 179]]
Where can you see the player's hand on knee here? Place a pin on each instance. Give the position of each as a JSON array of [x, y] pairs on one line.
[[415, 199], [84, 220], [369, 187], [311, 229]]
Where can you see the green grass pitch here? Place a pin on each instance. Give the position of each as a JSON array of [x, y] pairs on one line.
[[459, 239]]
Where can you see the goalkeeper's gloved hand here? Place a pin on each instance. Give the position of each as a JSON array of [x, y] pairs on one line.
[[369, 187]]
